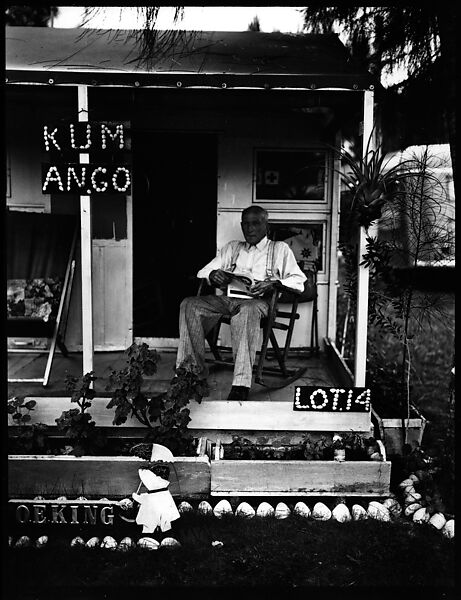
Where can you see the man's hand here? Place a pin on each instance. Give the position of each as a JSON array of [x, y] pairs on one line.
[[260, 288], [219, 278]]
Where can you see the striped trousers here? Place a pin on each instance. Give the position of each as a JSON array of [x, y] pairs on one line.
[[199, 314]]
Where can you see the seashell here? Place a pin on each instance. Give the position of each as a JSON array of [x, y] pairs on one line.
[[126, 504], [376, 456], [147, 543], [449, 529], [217, 544], [393, 507], [301, 509], [170, 543], [41, 542], [414, 478], [405, 483], [245, 510], [81, 498], [438, 520], [411, 508], [321, 512], [125, 544], [38, 498], [61, 499], [265, 510], [282, 511], [185, 507], [358, 513], [223, 508], [93, 542], [341, 513], [22, 542], [421, 515], [109, 543], [77, 542], [412, 497], [378, 511], [205, 508]]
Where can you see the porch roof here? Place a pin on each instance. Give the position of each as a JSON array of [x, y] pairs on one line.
[[198, 59]]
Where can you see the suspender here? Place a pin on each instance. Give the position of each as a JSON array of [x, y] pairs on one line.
[[270, 260]]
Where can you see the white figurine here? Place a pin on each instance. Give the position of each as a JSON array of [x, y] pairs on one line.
[[157, 507]]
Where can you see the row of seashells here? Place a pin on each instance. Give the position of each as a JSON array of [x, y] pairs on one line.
[[414, 507], [108, 543], [381, 511]]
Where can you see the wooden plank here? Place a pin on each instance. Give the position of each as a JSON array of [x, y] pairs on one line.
[[31, 366], [335, 169], [338, 364], [99, 476], [86, 251], [264, 478], [221, 415], [361, 320], [17, 362]]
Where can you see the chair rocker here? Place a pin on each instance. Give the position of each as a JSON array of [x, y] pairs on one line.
[[268, 325]]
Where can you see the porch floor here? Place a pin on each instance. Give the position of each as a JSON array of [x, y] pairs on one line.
[[32, 365]]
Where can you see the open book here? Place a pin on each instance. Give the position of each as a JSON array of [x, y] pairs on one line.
[[240, 285]]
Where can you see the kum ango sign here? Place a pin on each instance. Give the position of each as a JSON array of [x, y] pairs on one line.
[[331, 399], [107, 138], [85, 179]]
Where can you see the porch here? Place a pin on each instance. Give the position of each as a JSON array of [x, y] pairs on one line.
[[268, 412], [28, 365]]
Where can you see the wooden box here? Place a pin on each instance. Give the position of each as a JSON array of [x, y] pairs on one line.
[[299, 478]]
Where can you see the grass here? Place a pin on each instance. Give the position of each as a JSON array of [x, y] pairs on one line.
[[257, 553]]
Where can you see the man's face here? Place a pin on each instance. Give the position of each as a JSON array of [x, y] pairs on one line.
[[254, 227]]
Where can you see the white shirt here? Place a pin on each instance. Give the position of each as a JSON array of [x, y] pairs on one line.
[[253, 259]]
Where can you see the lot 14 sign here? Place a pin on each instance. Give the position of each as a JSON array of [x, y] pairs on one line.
[[330, 399]]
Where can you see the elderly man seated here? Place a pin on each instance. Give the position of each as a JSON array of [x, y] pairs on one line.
[[270, 264]]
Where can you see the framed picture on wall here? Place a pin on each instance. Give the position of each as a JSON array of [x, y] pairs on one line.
[[289, 175], [305, 239]]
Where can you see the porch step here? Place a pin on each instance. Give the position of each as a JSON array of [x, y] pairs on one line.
[[215, 418]]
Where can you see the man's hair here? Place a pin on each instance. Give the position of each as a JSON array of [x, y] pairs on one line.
[[259, 210]]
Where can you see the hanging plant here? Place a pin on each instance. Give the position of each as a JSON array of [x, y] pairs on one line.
[[372, 182]]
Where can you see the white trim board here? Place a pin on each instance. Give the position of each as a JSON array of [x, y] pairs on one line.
[[220, 415]]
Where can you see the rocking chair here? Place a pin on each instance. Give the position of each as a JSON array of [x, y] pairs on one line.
[[269, 324]]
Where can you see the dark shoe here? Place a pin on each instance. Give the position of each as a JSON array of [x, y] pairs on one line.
[[238, 392]]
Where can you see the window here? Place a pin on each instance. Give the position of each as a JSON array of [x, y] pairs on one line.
[[289, 175], [305, 240]]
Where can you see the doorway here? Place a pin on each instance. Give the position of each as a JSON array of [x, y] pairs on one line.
[[174, 225]]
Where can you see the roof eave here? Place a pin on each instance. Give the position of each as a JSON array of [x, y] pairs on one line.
[[312, 81]]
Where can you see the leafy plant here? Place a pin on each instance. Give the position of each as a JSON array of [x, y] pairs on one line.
[[76, 423], [29, 438], [165, 414], [409, 200], [372, 182]]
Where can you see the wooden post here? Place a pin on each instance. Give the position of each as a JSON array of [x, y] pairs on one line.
[[335, 213], [86, 251], [362, 276]]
